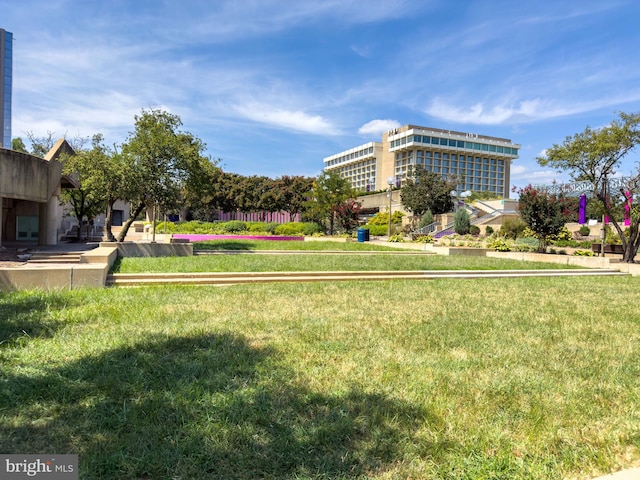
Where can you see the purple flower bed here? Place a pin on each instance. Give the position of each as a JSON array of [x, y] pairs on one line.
[[204, 237]]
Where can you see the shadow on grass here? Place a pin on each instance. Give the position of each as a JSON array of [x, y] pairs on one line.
[[200, 408], [225, 245], [23, 317], [115, 267]]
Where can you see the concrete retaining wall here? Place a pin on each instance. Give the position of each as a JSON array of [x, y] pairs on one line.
[[131, 249], [106, 255], [54, 277]]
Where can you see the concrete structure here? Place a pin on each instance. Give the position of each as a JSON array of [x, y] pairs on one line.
[[30, 195], [481, 163], [6, 80]]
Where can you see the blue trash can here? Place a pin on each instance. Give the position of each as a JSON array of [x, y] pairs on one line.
[[362, 232]]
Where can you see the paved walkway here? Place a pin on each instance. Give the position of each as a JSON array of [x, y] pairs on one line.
[[630, 474]]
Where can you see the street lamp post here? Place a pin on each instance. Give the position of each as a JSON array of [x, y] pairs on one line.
[[390, 182]]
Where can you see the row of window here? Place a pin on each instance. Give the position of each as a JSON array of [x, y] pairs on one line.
[[365, 152], [448, 142]]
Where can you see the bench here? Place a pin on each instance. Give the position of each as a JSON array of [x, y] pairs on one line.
[[608, 248]]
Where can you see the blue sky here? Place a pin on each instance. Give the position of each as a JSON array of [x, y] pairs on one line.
[[274, 86]]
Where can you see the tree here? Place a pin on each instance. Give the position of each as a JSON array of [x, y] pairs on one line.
[[328, 193], [544, 213], [17, 144], [594, 156], [425, 190], [85, 165], [427, 219], [347, 215], [160, 160], [461, 221], [291, 193]]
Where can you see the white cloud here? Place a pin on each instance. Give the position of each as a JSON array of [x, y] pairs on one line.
[[522, 175], [524, 111], [376, 127], [289, 119]]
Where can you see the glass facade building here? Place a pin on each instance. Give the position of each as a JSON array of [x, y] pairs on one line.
[[478, 162], [6, 76]]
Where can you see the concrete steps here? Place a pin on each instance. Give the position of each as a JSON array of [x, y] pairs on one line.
[[230, 278], [55, 257]]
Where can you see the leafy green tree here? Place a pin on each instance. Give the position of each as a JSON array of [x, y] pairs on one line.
[[328, 193], [544, 213], [461, 221], [17, 144], [425, 190], [161, 161], [291, 193], [594, 156], [85, 165]]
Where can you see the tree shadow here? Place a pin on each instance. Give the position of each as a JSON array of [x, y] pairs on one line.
[[24, 317], [205, 407], [213, 245]]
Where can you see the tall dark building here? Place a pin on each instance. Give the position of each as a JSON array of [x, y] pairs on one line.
[[6, 75]]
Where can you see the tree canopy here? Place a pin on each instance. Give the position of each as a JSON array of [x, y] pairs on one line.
[[425, 190], [544, 213], [329, 192], [594, 156], [161, 160]]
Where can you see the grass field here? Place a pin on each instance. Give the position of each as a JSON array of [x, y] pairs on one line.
[[289, 245], [314, 262], [474, 379]]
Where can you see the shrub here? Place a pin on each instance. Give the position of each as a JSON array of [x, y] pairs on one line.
[[396, 238], [520, 247], [528, 241], [584, 230], [564, 234], [427, 219], [377, 230], [423, 239], [382, 218], [271, 227], [512, 227], [168, 227], [573, 243], [474, 230], [257, 227], [461, 221], [499, 245], [489, 230], [584, 253], [311, 228], [234, 226], [289, 228]]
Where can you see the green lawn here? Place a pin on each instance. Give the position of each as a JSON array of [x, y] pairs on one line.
[[475, 379], [257, 262], [289, 245]]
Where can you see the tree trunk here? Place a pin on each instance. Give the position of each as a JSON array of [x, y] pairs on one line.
[[127, 224], [109, 221]]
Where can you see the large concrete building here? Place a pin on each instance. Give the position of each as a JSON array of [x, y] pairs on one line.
[[6, 75], [30, 190], [479, 162]]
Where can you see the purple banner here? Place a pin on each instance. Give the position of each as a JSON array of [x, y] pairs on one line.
[[583, 210]]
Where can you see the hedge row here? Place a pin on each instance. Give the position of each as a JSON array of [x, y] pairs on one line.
[[237, 226]]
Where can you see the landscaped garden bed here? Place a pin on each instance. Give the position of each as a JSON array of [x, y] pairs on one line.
[[201, 237]]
